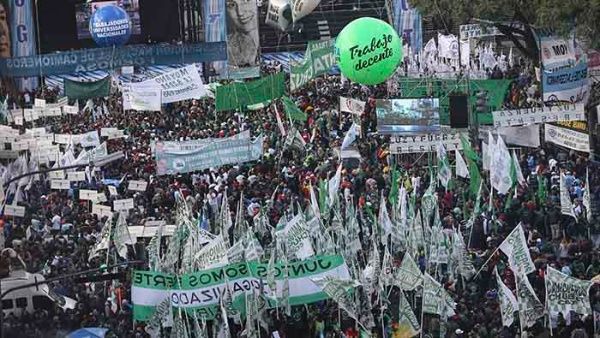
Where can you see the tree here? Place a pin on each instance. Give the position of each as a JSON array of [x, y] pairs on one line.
[[561, 16]]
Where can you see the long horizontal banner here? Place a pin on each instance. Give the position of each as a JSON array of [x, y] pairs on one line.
[[425, 143], [110, 58], [202, 290], [567, 138], [192, 145], [519, 117], [214, 154]]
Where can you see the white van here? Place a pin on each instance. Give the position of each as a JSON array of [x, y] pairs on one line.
[[32, 298]]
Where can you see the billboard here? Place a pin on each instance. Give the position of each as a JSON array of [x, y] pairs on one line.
[[85, 11], [408, 116]]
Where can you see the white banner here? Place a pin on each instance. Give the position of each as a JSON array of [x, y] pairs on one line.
[[123, 205], [525, 136], [142, 96], [87, 195], [556, 52], [39, 103], [101, 210], [14, 210], [56, 175], [90, 139], [425, 143], [70, 110], [518, 117], [60, 184], [137, 185], [275, 17], [76, 176], [350, 105], [567, 138], [180, 84], [477, 31]]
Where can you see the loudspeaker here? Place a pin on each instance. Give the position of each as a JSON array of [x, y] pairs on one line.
[[459, 111]]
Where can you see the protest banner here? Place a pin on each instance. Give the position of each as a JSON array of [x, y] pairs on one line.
[[31, 115], [213, 254], [76, 176], [142, 96], [112, 191], [180, 84], [202, 290], [192, 145], [70, 110], [567, 138], [214, 154], [425, 143], [39, 103], [123, 205], [90, 139], [60, 184], [111, 133], [56, 175], [14, 210], [476, 31], [101, 210], [137, 185], [95, 59], [318, 59], [555, 51], [544, 114], [350, 105], [566, 85], [239, 95], [87, 195]]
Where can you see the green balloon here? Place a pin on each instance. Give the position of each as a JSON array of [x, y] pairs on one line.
[[368, 50]]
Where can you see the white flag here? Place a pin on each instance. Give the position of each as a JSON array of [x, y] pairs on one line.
[[340, 291], [587, 199], [515, 247], [566, 206], [565, 294], [444, 172], [461, 166], [384, 220], [90, 139], [508, 302], [530, 307], [408, 275], [350, 136], [334, 185], [500, 167], [407, 321]]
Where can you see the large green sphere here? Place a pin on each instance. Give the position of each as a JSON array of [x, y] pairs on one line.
[[368, 51]]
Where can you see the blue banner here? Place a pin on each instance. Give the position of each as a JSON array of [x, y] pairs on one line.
[[214, 28], [566, 85], [22, 36], [408, 24], [87, 60]]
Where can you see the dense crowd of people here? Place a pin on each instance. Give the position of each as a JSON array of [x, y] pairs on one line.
[[58, 231]]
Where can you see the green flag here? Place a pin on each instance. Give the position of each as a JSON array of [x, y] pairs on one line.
[[472, 159], [76, 90], [323, 191], [241, 94], [542, 194], [393, 196], [292, 110]]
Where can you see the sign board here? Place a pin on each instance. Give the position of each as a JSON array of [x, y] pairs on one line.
[[102, 210], [137, 185], [518, 117], [14, 210], [60, 184], [567, 138], [87, 195], [56, 175], [350, 105], [426, 143], [76, 176], [123, 205], [477, 31]]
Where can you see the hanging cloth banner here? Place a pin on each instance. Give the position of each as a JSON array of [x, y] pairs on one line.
[[567, 138], [318, 59], [141, 96], [238, 95], [566, 85], [518, 117], [75, 90], [180, 84], [202, 290]]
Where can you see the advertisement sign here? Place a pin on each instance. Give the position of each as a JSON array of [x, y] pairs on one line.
[[518, 117], [87, 60], [567, 138]]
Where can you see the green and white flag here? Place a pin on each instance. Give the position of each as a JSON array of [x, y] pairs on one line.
[[444, 171], [408, 325], [565, 294], [408, 275], [461, 166], [388, 273], [416, 234], [500, 167], [436, 299], [318, 59], [515, 247], [519, 172], [566, 206], [530, 307], [121, 236], [202, 290], [587, 199], [459, 252], [508, 302], [297, 237], [340, 291], [334, 185], [212, 255], [104, 240]]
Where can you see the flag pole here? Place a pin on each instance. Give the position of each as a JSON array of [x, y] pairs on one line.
[[484, 264]]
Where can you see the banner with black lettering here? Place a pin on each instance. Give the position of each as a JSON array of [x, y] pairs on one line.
[[201, 291], [426, 143]]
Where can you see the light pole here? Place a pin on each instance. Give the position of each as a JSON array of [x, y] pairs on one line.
[[50, 280]]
